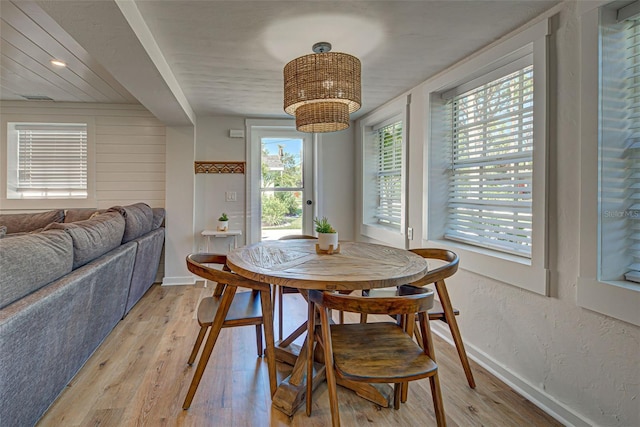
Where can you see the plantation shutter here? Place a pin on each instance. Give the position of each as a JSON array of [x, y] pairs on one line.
[[388, 144], [52, 159], [490, 184], [632, 152]]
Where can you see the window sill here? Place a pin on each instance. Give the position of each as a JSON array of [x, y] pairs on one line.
[[510, 269], [617, 299]]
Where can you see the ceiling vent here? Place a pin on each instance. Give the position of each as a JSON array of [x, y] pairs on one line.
[[36, 97]]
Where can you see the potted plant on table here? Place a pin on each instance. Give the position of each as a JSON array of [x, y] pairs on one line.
[[223, 222], [327, 235]]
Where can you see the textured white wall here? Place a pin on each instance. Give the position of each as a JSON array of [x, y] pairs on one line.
[[580, 365]]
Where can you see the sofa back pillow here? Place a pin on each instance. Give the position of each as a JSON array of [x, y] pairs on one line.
[[93, 237], [158, 218], [138, 218], [30, 261], [26, 222], [74, 215]]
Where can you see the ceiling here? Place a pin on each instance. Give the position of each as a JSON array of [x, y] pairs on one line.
[[183, 59]]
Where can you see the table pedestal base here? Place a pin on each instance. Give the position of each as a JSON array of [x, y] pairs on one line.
[[291, 392]]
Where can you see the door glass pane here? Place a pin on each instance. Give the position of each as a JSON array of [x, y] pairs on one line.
[[281, 214], [282, 189]]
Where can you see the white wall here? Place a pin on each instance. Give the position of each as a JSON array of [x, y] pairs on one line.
[[582, 366], [129, 148], [179, 222], [214, 144], [335, 179]]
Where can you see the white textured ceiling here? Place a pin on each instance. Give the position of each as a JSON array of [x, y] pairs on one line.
[[185, 58]]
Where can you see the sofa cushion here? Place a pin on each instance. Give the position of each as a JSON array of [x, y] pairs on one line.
[[158, 218], [138, 218], [26, 222], [74, 215], [93, 237], [30, 261]]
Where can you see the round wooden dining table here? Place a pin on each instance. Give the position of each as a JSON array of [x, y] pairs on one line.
[[295, 263], [298, 264]]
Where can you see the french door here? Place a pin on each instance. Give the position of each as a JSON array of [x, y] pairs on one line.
[[282, 183]]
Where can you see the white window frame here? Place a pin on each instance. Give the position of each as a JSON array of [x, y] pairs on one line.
[[46, 203], [368, 224], [530, 274], [617, 299]]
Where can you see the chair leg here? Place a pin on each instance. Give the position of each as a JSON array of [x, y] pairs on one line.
[[310, 343], [398, 388], [410, 327], [216, 326], [450, 317], [434, 380], [196, 346], [280, 293], [438, 407], [259, 339], [270, 353], [329, 368], [363, 317]]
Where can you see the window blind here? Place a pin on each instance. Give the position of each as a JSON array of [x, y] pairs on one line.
[[490, 185], [632, 152], [388, 147], [52, 160]]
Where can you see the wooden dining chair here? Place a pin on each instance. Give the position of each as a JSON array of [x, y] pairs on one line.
[[373, 352], [281, 290], [228, 308], [442, 308]]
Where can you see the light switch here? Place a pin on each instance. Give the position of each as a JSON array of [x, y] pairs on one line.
[[230, 196]]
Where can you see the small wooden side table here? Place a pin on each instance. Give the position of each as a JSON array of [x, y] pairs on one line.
[[215, 233]]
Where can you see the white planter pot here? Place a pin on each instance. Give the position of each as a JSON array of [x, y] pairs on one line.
[[327, 239], [223, 225]]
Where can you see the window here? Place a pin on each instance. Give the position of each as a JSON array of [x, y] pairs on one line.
[[383, 144], [491, 167], [50, 161], [486, 166], [620, 152], [387, 143], [610, 163]]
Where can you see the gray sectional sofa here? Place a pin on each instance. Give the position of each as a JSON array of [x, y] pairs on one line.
[[66, 280]]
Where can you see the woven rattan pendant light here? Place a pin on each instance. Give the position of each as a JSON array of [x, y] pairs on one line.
[[321, 89]]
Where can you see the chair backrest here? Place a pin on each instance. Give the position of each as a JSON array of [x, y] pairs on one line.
[[442, 272], [296, 236], [418, 303], [196, 265]]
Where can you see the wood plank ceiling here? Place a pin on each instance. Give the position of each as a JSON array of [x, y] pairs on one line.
[[30, 39]]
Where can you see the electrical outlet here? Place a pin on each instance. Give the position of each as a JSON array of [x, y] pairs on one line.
[[230, 196], [410, 233]]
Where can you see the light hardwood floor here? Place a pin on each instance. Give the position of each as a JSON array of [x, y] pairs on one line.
[[139, 376]]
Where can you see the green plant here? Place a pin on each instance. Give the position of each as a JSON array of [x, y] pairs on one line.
[[223, 217], [273, 210], [323, 226]]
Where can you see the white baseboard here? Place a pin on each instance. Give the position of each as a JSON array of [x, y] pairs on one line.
[[567, 416], [172, 281]]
